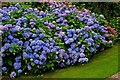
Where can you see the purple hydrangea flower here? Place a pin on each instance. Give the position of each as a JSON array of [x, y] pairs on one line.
[[62, 65], [82, 55], [68, 62], [1, 32], [87, 28], [3, 27], [8, 26], [66, 56], [110, 42]]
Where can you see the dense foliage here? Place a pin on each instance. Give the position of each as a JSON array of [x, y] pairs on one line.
[[36, 41]]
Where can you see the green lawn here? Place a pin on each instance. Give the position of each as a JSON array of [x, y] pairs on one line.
[[102, 65]]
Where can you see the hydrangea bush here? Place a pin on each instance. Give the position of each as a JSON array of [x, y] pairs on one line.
[[36, 41]]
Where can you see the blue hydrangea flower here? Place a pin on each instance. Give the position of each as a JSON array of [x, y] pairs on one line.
[[26, 29], [29, 49], [20, 43], [26, 43], [56, 57], [43, 52], [75, 36], [40, 63], [17, 59], [34, 35], [36, 61], [96, 36], [42, 57], [31, 55], [36, 55], [92, 49], [7, 45], [42, 35], [70, 40], [3, 49], [27, 35], [37, 31], [86, 36], [13, 74], [18, 5], [6, 18], [29, 67], [69, 50], [17, 65], [76, 49], [48, 51], [73, 45], [25, 55], [4, 68], [19, 71]]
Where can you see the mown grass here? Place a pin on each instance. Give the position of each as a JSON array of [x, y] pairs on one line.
[[102, 65]]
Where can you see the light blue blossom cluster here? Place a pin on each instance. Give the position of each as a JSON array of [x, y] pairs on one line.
[[36, 41]]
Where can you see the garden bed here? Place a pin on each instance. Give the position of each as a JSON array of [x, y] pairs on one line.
[[100, 66], [35, 42]]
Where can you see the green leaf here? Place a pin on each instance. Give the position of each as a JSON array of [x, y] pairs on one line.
[[13, 53], [25, 61], [87, 48], [10, 63], [33, 64]]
